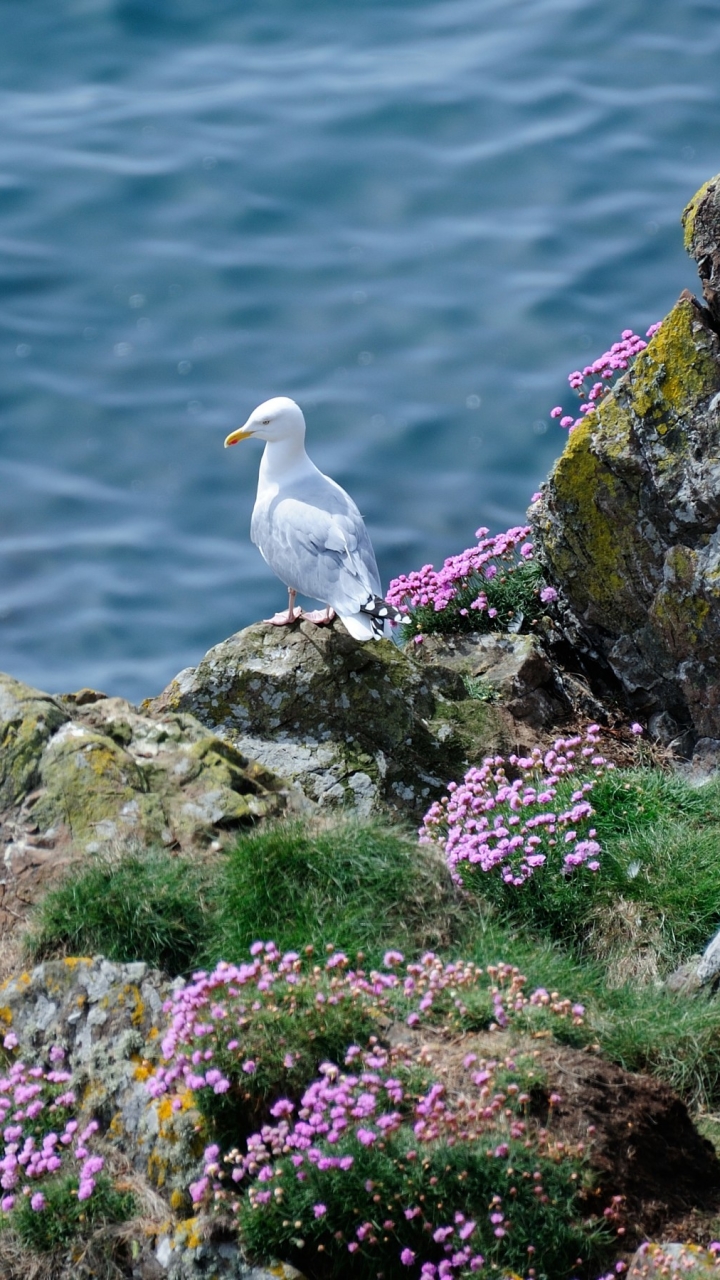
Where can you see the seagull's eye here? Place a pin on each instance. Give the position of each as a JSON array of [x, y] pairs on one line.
[[265, 422]]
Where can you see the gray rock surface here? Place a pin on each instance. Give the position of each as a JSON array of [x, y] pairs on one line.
[[109, 1018], [345, 724]]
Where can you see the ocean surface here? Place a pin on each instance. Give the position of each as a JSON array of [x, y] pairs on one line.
[[413, 217]]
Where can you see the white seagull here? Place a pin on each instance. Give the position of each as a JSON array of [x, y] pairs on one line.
[[309, 530]]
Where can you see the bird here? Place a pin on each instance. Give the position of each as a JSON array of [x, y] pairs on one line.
[[309, 531]]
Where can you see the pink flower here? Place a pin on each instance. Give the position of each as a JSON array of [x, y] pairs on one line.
[[319, 1210], [37, 1202], [548, 594], [636, 728], [407, 1257]]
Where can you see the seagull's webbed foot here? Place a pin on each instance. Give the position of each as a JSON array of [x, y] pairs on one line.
[[285, 618], [321, 617], [290, 615]]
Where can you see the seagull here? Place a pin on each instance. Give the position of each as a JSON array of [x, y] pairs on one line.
[[309, 530]]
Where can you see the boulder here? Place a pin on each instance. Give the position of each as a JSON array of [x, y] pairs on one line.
[[78, 776], [345, 724], [689, 1261], [628, 525], [109, 1018]]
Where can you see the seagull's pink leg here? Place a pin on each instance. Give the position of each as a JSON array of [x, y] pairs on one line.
[[292, 614], [321, 617]]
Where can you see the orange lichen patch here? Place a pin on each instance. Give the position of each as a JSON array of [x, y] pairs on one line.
[[153, 1033], [144, 1069], [72, 962], [165, 1110], [115, 1128], [6, 1015], [177, 1199], [188, 1233]]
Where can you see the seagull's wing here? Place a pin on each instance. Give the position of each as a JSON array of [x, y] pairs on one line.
[[313, 537]]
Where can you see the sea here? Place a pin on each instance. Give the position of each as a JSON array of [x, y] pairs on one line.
[[415, 217]]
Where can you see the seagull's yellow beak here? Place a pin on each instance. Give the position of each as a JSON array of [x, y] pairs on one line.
[[236, 436]]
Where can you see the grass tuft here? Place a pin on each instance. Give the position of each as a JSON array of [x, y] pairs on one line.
[[360, 885], [139, 906]]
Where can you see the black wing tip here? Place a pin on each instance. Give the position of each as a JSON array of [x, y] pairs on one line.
[[380, 612]]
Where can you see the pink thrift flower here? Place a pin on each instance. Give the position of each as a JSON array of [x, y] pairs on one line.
[[407, 1257], [548, 594], [319, 1210], [636, 728], [37, 1202]]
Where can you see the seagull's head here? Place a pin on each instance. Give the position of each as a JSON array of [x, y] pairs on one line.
[[277, 419]]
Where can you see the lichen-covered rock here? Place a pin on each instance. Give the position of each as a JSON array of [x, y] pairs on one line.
[[689, 1261], [80, 775], [109, 1018], [629, 527], [345, 724], [701, 221], [516, 669]]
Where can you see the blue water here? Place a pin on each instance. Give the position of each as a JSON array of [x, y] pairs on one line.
[[414, 218]]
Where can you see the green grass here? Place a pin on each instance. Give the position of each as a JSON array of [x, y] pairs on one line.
[[603, 940], [142, 906], [360, 885], [656, 898]]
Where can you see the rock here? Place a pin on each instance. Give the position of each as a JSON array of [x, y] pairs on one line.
[[701, 222], [515, 667], [691, 1261], [109, 1019], [82, 773], [629, 522], [684, 980], [345, 724], [709, 964]]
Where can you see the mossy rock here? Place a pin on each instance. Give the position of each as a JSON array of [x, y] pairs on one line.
[[701, 224], [362, 726], [28, 719], [82, 776], [629, 525]]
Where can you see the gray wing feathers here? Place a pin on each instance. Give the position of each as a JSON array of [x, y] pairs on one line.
[[313, 537]]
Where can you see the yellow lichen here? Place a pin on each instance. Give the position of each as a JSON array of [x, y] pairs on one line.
[[674, 372], [73, 961], [6, 1015], [580, 479], [188, 1233], [177, 1199], [689, 213], [116, 1128]]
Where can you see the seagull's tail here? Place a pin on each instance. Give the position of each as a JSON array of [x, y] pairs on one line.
[[375, 620]]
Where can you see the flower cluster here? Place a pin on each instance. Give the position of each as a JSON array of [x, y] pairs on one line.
[[42, 1139], [226, 1027], [342, 1138], [360, 1167], [492, 585], [512, 828], [595, 380]]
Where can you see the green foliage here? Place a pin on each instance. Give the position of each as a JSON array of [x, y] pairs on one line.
[[141, 906], [658, 885], [448, 1180], [514, 593], [480, 690], [64, 1217], [359, 885]]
